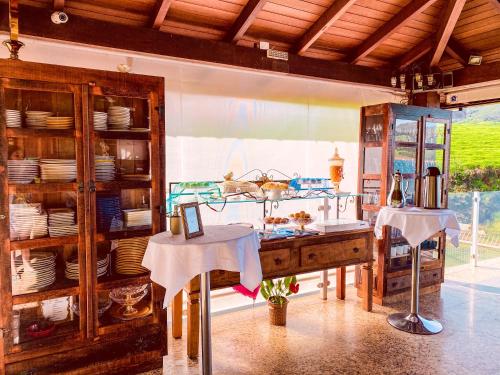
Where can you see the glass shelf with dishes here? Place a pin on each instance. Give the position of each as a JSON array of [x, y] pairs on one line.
[[264, 189]]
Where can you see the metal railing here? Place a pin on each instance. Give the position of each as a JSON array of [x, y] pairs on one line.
[[479, 217]]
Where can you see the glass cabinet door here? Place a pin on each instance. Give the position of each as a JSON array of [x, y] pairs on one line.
[[126, 199], [44, 219]]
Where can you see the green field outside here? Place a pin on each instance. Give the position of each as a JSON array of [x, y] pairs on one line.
[[475, 145]]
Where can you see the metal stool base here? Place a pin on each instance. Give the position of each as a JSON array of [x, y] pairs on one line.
[[414, 323]]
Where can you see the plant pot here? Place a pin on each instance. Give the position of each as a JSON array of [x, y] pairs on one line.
[[277, 313]]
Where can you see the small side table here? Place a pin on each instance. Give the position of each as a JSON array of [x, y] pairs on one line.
[[174, 261], [416, 225]]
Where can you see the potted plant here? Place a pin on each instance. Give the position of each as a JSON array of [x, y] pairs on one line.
[[275, 293]]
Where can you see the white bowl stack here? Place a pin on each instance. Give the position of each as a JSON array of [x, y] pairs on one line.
[[34, 272], [27, 221], [58, 123], [23, 171], [13, 117], [104, 168], [37, 119], [56, 309], [137, 217], [119, 118], [63, 170], [62, 222], [72, 271], [100, 120]]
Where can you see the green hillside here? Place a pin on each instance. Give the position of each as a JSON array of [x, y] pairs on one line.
[[475, 144]]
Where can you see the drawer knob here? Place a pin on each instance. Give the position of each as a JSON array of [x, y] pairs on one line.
[[277, 261], [312, 256], [356, 250]]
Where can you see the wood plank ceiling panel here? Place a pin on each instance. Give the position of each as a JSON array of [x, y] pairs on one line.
[[160, 12], [244, 20]]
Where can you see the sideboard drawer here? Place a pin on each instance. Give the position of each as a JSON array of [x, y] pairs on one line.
[[329, 254], [274, 260]]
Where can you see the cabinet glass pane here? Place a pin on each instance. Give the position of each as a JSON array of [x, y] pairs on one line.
[[406, 130], [405, 159], [370, 216], [371, 191], [434, 158], [434, 132], [373, 128], [121, 113], [44, 322], [373, 160]]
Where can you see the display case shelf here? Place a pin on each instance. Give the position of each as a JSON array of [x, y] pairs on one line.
[[44, 187], [43, 242], [34, 133], [131, 135], [126, 233], [62, 287], [119, 185], [117, 281]]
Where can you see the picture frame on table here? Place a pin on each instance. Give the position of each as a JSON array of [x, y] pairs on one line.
[[191, 220]]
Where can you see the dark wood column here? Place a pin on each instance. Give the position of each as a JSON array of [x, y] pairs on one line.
[[426, 99]]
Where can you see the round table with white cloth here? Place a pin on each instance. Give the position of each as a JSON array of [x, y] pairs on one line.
[[174, 261], [417, 225]]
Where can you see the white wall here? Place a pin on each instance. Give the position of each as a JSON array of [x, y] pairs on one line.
[[220, 118]]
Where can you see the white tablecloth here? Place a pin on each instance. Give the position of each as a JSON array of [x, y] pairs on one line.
[[174, 261], [418, 224]]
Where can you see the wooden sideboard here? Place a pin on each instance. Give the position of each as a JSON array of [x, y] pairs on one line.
[[285, 257]]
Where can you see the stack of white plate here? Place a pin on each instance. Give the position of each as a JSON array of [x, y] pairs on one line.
[[104, 168], [22, 171], [37, 119], [63, 170], [72, 271], [34, 272], [13, 118], [119, 118], [62, 222], [100, 120], [137, 217], [27, 221], [60, 217], [56, 309], [57, 123], [129, 254]]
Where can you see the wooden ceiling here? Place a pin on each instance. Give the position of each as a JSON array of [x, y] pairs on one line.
[[387, 34]]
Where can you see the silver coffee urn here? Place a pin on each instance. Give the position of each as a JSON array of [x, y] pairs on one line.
[[433, 183]]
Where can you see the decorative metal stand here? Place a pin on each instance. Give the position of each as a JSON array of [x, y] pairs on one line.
[[412, 322]]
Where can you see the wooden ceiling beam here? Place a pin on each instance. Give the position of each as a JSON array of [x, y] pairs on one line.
[[404, 16], [448, 21], [58, 4], [415, 53], [160, 12], [477, 75], [35, 22], [456, 50], [244, 20], [324, 22]]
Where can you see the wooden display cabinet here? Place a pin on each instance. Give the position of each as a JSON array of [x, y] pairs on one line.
[[409, 139], [83, 341]]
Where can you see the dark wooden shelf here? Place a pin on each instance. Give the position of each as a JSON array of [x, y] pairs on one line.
[[108, 134], [28, 133], [127, 233], [405, 144], [117, 281], [118, 185], [61, 288], [435, 146], [373, 144], [371, 176], [44, 187], [43, 242], [108, 325]]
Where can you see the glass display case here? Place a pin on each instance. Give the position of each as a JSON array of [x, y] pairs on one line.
[[407, 139], [82, 193]]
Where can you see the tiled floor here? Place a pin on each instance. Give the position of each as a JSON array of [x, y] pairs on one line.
[[338, 337]]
